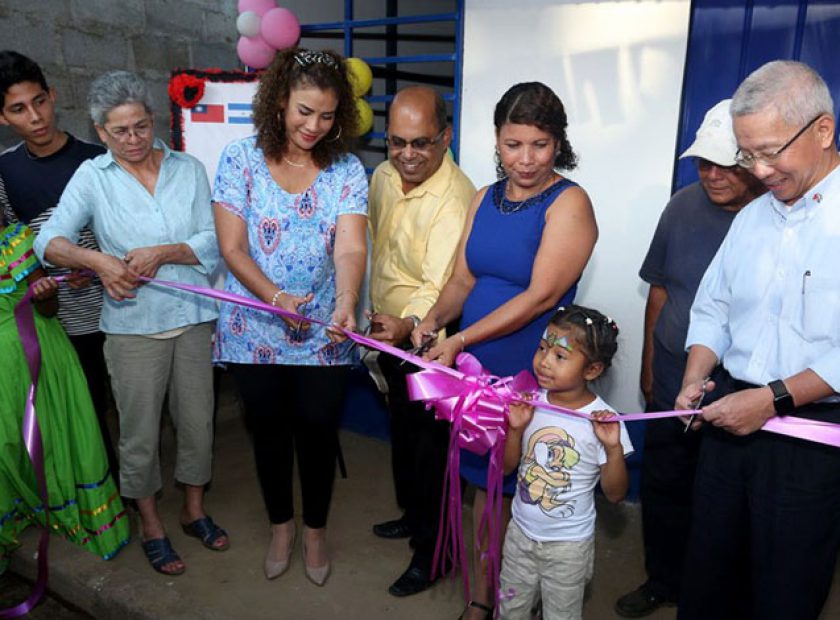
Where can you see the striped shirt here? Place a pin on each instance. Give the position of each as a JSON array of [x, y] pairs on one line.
[[34, 186]]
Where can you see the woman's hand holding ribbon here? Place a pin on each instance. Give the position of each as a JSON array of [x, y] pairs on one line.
[[292, 303], [427, 328], [444, 352], [343, 320]]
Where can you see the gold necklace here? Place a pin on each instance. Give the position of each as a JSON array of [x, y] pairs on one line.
[[291, 163]]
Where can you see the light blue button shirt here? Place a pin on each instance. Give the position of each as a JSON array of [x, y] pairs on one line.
[[124, 216], [769, 303]]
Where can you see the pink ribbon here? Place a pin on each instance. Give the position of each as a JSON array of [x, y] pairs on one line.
[[475, 403], [472, 400]]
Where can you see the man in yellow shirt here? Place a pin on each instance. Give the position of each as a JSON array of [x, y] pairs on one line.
[[418, 203]]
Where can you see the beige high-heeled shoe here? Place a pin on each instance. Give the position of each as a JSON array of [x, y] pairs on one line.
[[274, 568], [316, 574]]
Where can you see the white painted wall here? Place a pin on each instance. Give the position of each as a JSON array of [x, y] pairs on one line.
[[618, 68]]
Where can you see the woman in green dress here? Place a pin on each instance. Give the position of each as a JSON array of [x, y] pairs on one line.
[[85, 506]]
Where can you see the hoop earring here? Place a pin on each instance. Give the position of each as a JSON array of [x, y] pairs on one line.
[[497, 159], [337, 136]]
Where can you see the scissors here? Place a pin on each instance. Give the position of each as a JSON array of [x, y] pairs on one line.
[[365, 332], [296, 334], [697, 404], [425, 345]]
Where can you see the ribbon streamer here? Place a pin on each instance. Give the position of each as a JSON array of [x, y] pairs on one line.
[[25, 320]]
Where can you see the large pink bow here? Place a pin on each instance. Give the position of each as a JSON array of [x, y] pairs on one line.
[[478, 401], [476, 406]]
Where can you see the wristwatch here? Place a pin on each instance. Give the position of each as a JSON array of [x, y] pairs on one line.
[[414, 319], [782, 399]]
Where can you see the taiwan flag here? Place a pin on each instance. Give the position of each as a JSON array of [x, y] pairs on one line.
[[208, 113]]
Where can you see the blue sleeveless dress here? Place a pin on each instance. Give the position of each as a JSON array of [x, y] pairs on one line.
[[500, 254]]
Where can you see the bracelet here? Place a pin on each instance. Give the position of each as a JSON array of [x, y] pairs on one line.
[[463, 341], [276, 296], [348, 291]]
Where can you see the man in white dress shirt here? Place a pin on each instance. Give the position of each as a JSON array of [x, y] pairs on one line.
[[766, 521]]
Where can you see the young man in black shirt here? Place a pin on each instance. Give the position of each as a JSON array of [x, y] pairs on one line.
[[35, 172]]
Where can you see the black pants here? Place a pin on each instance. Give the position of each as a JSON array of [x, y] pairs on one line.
[[667, 484], [294, 409], [418, 458], [765, 527], [92, 359]]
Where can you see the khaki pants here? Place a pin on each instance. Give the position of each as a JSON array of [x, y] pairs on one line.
[[557, 572], [142, 371]]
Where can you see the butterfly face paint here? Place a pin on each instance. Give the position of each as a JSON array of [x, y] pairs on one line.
[[553, 341]]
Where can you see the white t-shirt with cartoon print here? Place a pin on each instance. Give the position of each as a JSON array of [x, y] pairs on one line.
[[560, 466]]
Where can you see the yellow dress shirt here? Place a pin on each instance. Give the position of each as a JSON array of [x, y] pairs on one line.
[[414, 236]]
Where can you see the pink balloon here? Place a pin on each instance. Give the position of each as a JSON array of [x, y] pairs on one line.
[[280, 28], [254, 52], [260, 7]]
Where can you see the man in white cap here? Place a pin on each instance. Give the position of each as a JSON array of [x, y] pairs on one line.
[[689, 233]]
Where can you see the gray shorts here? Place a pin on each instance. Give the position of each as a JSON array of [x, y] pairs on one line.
[[556, 572], [143, 370]]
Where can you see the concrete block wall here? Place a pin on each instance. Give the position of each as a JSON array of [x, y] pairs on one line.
[[76, 40]]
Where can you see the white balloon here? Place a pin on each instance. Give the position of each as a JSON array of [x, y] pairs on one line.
[[248, 24]]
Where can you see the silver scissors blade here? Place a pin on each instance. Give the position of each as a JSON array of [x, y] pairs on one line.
[[353, 344], [697, 404], [301, 309], [424, 346]]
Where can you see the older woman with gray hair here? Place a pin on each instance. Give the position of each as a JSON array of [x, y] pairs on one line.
[[149, 209]]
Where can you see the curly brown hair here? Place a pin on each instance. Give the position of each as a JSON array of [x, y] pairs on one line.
[[291, 69], [534, 103]]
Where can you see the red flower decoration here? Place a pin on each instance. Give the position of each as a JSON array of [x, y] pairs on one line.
[[186, 90]]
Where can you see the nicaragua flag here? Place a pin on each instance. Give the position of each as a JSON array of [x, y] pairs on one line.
[[208, 113], [239, 114]]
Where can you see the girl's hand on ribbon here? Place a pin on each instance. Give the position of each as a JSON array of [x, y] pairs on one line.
[[519, 416], [342, 318], [444, 352], [607, 430], [44, 288]]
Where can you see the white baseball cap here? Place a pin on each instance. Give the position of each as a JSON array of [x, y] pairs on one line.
[[715, 140]]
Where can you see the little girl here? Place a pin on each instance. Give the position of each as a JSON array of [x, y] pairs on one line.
[[549, 546]]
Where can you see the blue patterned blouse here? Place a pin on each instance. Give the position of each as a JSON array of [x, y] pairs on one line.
[[291, 239]]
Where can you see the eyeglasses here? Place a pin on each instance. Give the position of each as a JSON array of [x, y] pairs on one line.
[[418, 144], [143, 129], [748, 160]]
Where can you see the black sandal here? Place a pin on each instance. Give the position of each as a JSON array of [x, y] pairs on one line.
[[159, 553], [488, 611], [207, 532]]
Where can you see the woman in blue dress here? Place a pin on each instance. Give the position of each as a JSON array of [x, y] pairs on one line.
[[527, 240], [291, 217]]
